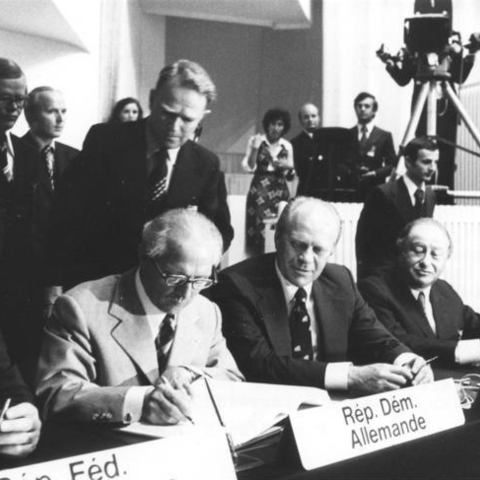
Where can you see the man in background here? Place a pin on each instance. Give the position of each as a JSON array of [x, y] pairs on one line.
[[372, 156], [390, 206], [45, 111], [421, 310], [127, 174], [305, 148]]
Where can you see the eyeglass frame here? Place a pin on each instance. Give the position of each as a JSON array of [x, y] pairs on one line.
[[19, 102], [184, 279]]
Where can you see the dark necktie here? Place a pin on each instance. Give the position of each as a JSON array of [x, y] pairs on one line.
[[363, 140], [300, 327], [157, 183], [49, 159], [3, 151], [419, 203], [164, 340], [421, 300]]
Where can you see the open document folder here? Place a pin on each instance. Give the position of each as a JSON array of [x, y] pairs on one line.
[[247, 410]]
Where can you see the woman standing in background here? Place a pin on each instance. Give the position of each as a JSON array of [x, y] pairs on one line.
[[270, 157]]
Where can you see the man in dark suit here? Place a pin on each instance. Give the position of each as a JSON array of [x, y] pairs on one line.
[[128, 173], [305, 149], [20, 278], [391, 206], [45, 111], [372, 156], [20, 430], [290, 318], [421, 310]]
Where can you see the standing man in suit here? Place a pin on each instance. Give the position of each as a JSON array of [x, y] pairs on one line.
[[391, 206], [45, 111], [126, 174], [20, 292], [421, 310], [290, 318], [372, 155], [305, 149], [126, 347]]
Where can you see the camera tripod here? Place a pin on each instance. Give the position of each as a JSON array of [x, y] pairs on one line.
[[436, 75]]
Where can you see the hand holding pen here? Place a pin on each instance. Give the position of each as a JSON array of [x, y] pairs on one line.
[[165, 404], [421, 371]]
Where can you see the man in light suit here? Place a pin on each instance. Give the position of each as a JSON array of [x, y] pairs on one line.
[[126, 347], [372, 156], [421, 310], [391, 206], [128, 173], [290, 318]]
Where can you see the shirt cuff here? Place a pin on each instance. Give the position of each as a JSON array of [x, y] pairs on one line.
[[133, 405], [336, 376], [467, 351]]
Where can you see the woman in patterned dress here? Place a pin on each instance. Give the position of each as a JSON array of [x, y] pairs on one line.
[[270, 157]]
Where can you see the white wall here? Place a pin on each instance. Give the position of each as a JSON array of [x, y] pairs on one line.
[[133, 42]]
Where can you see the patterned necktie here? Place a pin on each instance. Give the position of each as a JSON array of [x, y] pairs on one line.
[[363, 140], [300, 327], [157, 183], [419, 203], [49, 159], [164, 340], [3, 151]]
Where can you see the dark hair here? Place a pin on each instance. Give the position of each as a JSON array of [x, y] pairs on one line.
[[402, 241], [275, 114], [362, 96], [118, 107], [425, 142], [191, 75], [9, 70]]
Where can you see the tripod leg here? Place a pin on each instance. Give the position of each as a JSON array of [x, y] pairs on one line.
[[432, 109], [462, 112], [399, 169]]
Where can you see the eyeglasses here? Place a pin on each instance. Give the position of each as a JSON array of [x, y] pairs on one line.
[[17, 101], [198, 283]]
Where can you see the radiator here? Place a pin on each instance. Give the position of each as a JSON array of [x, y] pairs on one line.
[[463, 224]]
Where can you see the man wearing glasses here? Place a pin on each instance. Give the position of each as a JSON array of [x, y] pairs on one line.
[[421, 310], [126, 347]]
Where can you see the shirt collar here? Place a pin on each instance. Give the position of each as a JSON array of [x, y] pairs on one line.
[[412, 188], [40, 144], [416, 292], [289, 289], [148, 306], [153, 147], [369, 126]]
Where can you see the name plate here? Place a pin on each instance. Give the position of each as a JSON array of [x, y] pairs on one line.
[[177, 458], [351, 428]]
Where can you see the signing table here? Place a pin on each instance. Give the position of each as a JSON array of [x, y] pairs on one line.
[[452, 454]]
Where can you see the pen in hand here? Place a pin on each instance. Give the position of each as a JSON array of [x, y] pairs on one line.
[[164, 381], [5, 407]]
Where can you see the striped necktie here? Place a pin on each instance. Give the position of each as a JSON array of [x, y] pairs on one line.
[[164, 340], [157, 184]]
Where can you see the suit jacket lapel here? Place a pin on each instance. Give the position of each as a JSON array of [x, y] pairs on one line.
[[274, 312], [404, 201], [130, 327], [446, 328]]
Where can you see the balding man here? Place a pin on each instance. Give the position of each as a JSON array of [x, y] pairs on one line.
[[419, 308], [291, 318], [126, 347], [305, 148]]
